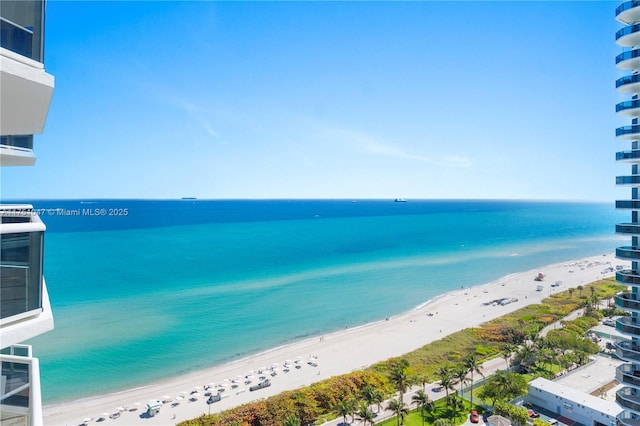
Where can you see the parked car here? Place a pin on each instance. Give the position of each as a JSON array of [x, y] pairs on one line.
[[473, 417], [533, 414]]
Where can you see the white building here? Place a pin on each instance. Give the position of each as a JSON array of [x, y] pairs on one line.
[[572, 404], [25, 311]]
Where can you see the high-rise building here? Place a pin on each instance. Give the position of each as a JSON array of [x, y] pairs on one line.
[[25, 312]]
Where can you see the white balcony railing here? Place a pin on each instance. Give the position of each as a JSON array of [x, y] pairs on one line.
[[20, 394]]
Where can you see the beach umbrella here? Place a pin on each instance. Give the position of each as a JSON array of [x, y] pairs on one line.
[[120, 409], [166, 398], [184, 392], [179, 398], [137, 404], [87, 419]]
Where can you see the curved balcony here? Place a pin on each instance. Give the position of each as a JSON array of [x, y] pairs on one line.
[[626, 418], [629, 375], [628, 277], [626, 325], [633, 180], [628, 132], [628, 229], [628, 156], [628, 36], [628, 11], [629, 108], [628, 399], [628, 84], [626, 351], [627, 302], [628, 60], [628, 204], [628, 253]]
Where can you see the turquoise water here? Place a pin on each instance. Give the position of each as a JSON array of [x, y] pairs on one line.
[[175, 287]]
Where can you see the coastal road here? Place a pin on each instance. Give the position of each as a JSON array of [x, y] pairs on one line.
[[488, 368]]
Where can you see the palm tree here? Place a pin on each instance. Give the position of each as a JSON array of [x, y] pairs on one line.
[[378, 398], [446, 378], [473, 366], [365, 414], [423, 379], [456, 404], [430, 408], [460, 374], [421, 399], [344, 408], [571, 290], [367, 393], [507, 351], [580, 288], [401, 380], [527, 355], [398, 408]]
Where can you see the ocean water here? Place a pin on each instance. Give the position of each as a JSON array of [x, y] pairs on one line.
[[166, 287]]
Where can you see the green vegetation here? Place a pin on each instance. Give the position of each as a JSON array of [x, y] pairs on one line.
[[451, 360]]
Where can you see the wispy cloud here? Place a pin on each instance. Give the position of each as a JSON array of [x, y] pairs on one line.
[[376, 146], [166, 94]]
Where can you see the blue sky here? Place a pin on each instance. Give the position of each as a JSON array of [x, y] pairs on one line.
[[328, 100]]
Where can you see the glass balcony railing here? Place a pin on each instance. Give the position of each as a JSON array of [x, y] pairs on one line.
[[631, 253], [628, 180], [628, 130], [629, 54], [20, 396], [17, 141], [627, 301], [629, 399], [627, 79], [626, 350], [628, 105], [628, 155], [630, 29], [628, 204], [626, 325], [628, 228], [628, 374], [627, 418], [21, 27], [21, 262], [626, 6]]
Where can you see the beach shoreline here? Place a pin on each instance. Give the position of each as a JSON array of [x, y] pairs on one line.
[[365, 345]]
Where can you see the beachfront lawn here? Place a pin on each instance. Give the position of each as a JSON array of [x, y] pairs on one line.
[[441, 411]]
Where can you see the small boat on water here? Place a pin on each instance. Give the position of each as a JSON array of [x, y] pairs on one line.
[[400, 200]]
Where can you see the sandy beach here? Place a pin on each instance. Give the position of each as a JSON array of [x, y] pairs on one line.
[[336, 353]]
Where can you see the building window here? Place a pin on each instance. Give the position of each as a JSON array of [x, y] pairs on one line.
[[20, 273], [21, 27], [17, 141]]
